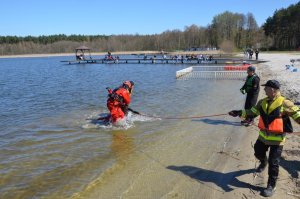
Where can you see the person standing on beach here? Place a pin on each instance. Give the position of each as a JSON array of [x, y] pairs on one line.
[[250, 53], [119, 100], [274, 123], [251, 87], [256, 54]]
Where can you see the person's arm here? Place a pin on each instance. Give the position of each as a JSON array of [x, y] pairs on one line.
[[291, 110], [250, 113], [126, 97], [243, 89], [244, 86]]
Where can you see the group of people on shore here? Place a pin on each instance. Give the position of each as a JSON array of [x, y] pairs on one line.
[[249, 53]]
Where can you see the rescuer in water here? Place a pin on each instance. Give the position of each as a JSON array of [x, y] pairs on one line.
[[119, 100]]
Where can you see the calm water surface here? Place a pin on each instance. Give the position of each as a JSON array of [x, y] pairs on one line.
[[52, 146]]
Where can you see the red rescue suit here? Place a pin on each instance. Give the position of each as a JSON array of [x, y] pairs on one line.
[[117, 103]]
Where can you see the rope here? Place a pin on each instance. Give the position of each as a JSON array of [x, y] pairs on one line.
[[197, 117], [182, 118]]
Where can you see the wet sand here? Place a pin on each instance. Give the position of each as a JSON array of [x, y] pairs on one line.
[[205, 158]]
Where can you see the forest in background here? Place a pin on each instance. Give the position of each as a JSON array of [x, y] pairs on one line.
[[228, 31]]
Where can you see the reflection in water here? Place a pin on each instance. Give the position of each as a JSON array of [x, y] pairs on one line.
[[122, 146]]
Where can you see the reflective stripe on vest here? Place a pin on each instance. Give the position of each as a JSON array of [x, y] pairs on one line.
[[255, 111], [270, 116], [271, 136], [296, 115]]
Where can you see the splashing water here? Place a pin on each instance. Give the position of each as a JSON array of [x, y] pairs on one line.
[[92, 121]]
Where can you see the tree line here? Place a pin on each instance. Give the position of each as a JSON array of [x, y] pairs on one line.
[[283, 28], [227, 31]]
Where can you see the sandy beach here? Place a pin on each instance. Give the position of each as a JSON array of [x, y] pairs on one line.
[[184, 166]]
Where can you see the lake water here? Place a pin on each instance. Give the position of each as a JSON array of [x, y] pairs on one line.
[[51, 146]]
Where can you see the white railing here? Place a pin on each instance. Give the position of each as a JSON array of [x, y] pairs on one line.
[[211, 72], [208, 68]]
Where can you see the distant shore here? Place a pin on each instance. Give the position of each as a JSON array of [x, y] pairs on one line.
[[213, 52]]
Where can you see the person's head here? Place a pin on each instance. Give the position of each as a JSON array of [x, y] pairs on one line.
[[250, 70], [272, 88], [128, 85]]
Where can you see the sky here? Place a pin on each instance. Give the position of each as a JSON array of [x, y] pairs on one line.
[[115, 17]]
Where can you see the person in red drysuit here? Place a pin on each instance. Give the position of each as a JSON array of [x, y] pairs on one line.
[[119, 100]]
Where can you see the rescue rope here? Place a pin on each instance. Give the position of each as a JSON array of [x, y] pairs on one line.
[[197, 117], [182, 118]]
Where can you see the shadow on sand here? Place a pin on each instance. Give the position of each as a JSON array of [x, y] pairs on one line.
[[217, 122], [223, 180], [291, 166]]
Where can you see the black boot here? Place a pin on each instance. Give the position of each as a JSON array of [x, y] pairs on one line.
[[269, 191], [261, 167]]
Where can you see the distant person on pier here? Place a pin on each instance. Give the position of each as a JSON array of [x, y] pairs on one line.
[[80, 57], [109, 56], [119, 100]]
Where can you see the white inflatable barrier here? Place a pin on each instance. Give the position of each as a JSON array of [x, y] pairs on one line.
[[183, 72]]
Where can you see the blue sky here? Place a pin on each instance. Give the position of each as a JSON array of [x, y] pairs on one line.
[[96, 17]]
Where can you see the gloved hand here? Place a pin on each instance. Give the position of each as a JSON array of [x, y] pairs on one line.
[[235, 113], [243, 91], [109, 90]]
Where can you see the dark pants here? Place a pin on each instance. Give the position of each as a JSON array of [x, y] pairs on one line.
[[250, 102], [260, 150]]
